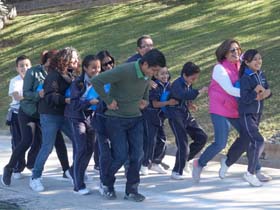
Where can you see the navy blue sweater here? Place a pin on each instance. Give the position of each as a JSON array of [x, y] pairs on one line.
[[248, 82], [78, 108]]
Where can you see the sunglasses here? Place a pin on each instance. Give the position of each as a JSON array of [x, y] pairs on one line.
[[108, 63], [235, 49]]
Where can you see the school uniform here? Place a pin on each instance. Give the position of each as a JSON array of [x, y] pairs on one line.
[[250, 111], [153, 122], [80, 114], [182, 124], [16, 85]]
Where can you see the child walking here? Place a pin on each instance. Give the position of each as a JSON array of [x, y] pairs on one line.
[[154, 118], [182, 122], [253, 90], [81, 113]]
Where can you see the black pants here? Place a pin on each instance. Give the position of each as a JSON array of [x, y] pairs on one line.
[[30, 137], [83, 141], [154, 142], [250, 128], [183, 125], [15, 140]]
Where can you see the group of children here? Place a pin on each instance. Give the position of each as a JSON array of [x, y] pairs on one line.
[[94, 105]]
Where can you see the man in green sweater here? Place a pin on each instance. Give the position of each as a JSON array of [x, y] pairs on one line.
[[128, 94]]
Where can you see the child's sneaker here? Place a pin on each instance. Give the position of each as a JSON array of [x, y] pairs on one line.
[[263, 177], [144, 170], [158, 168], [224, 168], [177, 176], [84, 191], [196, 172], [187, 168], [252, 180], [137, 197], [6, 177], [17, 175], [36, 185]]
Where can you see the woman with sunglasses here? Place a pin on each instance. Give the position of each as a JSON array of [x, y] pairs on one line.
[[223, 106]]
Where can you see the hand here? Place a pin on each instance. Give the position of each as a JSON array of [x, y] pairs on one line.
[[153, 84], [143, 104], [259, 89], [266, 93], [93, 101], [67, 100], [192, 107], [203, 90], [41, 93], [172, 102], [113, 105]]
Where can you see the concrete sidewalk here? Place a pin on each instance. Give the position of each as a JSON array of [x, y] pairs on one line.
[[161, 192]]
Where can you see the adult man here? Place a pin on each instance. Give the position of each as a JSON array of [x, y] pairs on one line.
[[128, 94]]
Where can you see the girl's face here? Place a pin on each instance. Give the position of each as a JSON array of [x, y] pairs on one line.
[[233, 55], [107, 63], [162, 75], [93, 68], [191, 79], [23, 66], [256, 63], [74, 60]]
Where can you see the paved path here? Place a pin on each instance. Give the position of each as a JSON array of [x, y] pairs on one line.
[[160, 190]]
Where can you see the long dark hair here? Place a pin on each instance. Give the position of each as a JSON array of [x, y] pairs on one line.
[[102, 54], [248, 57]]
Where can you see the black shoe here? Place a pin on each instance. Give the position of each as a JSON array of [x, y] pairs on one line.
[[7, 175], [137, 197], [109, 194]]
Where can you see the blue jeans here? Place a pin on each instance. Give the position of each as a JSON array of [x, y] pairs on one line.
[[50, 125], [126, 136], [221, 131]]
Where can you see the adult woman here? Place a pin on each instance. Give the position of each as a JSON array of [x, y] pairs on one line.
[[223, 106], [51, 108]]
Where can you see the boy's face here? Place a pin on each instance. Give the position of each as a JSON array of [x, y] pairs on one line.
[[22, 67], [162, 75], [149, 71], [191, 79]]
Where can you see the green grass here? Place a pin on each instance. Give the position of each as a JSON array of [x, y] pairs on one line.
[[184, 30]]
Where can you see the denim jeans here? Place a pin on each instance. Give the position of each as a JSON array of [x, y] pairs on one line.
[[221, 131], [126, 136], [50, 126]]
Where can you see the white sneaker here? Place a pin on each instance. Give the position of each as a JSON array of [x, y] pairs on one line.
[[263, 177], [144, 170], [252, 179], [17, 175], [158, 168], [177, 176], [224, 168], [84, 191], [36, 185]]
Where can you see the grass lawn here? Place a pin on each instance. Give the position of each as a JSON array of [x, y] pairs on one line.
[[184, 30]]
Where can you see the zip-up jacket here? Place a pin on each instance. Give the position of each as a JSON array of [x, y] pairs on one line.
[[78, 107], [248, 82]]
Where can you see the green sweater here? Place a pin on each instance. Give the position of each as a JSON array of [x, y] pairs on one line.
[[33, 77], [128, 87]]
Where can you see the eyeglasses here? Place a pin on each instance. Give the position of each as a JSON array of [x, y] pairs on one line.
[[235, 49], [147, 46], [108, 63]]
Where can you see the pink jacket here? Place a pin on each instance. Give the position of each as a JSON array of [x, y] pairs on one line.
[[220, 102]]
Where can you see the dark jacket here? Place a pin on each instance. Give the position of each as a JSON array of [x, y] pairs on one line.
[[134, 58], [54, 86], [33, 77], [78, 108], [248, 82]]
